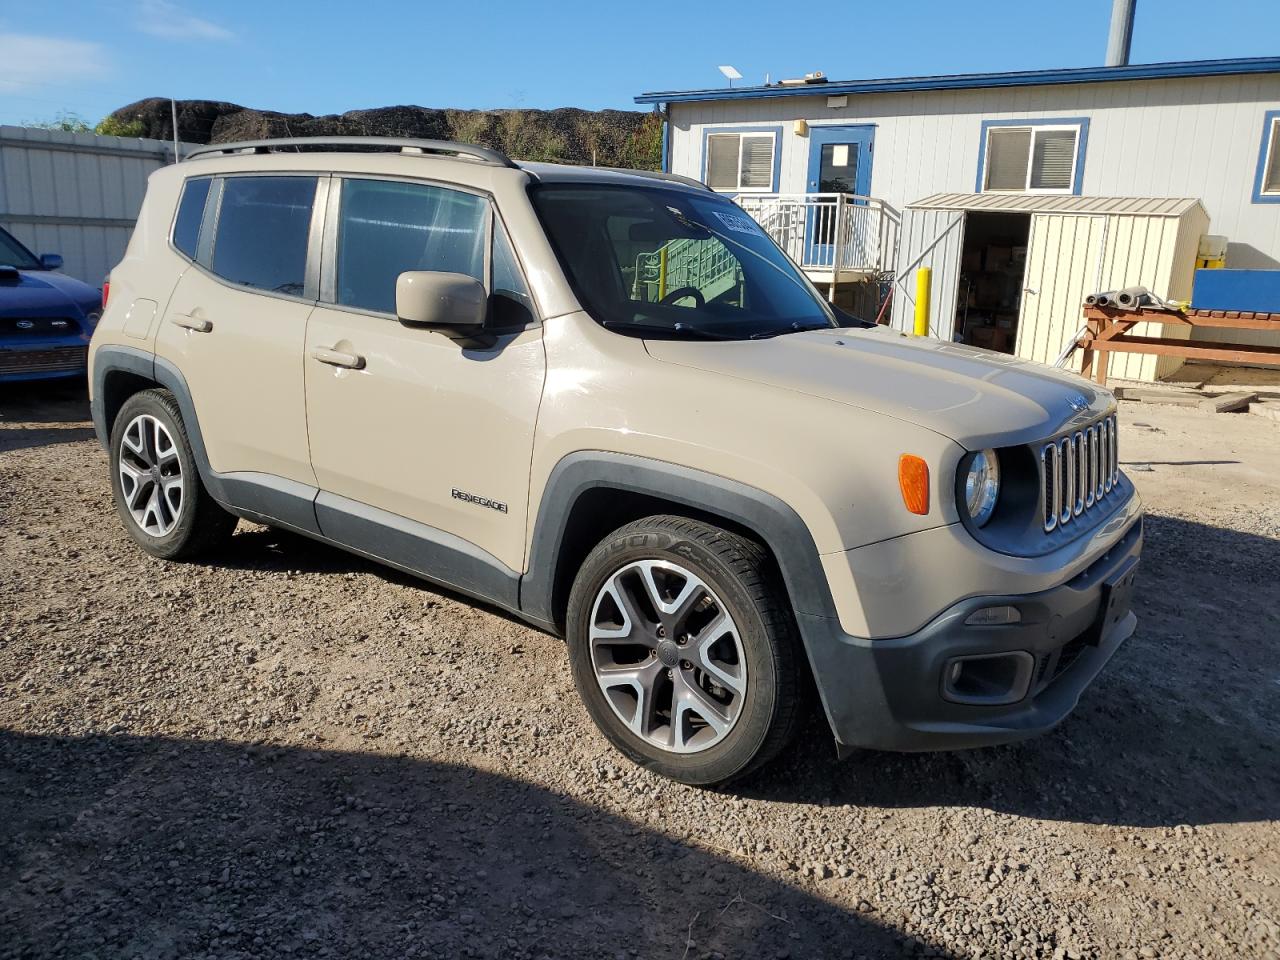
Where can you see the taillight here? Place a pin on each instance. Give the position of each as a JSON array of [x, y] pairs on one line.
[[106, 291]]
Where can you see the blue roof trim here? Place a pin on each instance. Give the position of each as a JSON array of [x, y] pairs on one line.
[[972, 81]]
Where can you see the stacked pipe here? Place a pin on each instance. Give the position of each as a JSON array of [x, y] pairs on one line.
[[1130, 298]]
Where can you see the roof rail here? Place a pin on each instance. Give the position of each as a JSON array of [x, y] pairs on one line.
[[404, 145], [662, 175]]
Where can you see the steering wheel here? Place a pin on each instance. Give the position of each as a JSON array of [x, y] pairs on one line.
[[679, 293]]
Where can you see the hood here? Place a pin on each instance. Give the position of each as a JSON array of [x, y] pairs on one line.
[[44, 293], [972, 396]]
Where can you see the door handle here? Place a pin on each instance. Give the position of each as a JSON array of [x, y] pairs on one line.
[[198, 324], [336, 358]]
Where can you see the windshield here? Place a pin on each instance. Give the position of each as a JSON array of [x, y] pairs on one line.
[[656, 262], [14, 254]]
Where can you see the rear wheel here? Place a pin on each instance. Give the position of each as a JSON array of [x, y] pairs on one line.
[[155, 482], [685, 651]]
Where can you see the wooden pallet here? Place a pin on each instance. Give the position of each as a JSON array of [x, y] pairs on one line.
[[1107, 332]]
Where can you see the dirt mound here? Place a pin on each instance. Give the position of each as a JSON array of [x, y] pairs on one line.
[[612, 138]]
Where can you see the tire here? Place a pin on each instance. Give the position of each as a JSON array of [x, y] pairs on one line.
[[737, 644], [170, 520]]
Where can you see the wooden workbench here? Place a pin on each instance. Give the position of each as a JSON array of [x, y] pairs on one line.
[[1107, 332]]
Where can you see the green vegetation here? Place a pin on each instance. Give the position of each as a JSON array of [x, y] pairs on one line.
[[113, 126], [64, 121]]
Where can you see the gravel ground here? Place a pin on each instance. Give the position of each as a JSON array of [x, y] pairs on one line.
[[291, 752]]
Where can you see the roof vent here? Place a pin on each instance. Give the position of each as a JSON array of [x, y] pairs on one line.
[[816, 77]]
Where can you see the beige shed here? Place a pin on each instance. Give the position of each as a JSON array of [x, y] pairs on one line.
[[1010, 271]]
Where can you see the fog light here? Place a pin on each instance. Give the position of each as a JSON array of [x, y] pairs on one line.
[[990, 678], [994, 616]]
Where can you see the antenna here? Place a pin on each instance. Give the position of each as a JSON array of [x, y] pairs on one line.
[[173, 107], [731, 73]]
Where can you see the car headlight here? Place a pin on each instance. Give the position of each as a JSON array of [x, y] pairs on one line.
[[982, 486], [92, 317]]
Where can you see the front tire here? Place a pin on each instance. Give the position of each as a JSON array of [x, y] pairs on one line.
[[684, 650], [156, 485]]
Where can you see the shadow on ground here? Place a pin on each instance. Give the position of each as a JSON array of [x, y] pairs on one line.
[[157, 848], [1180, 728], [42, 406]]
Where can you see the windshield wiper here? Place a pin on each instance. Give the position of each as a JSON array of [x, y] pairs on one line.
[[679, 330], [796, 327]]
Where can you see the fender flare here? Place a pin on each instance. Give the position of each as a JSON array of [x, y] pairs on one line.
[[773, 520]]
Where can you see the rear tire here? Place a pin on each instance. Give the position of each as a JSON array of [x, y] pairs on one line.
[[156, 484], [685, 650]]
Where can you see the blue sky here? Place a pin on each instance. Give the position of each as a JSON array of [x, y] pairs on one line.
[[322, 57]]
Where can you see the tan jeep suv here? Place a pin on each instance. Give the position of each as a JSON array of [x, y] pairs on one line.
[[606, 402]]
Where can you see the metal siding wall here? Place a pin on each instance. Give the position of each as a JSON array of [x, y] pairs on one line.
[[929, 238], [84, 184], [1193, 137]]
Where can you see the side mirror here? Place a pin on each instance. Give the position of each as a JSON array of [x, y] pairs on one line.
[[453, 302], [51, 261]]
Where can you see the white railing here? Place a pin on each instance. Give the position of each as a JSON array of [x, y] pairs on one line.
[[685, 262], [828, 233]]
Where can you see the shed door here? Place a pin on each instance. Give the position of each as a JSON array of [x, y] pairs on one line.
[[930, 238], [1063, 267]]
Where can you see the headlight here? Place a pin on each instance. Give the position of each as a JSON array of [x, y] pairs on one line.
[[92, 317], [982, 486]]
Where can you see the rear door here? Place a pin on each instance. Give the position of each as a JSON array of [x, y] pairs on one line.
[[421, 445], [234, 326]]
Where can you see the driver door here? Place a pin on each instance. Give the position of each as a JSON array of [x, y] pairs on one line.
[[421, 447]]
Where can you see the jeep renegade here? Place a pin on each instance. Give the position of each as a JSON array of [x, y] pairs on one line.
[[606, 402]]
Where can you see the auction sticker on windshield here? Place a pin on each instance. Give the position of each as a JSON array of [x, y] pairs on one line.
[[737, 222]]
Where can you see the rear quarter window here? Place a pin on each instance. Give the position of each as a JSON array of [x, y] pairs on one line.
[[186, 226], [263, 226]]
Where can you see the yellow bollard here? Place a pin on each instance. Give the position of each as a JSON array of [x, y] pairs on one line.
[[923, 277], [662, 273]]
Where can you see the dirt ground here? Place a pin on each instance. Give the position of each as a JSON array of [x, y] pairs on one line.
[[290, 752]]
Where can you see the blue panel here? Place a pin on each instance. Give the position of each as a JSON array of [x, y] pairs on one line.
[[974, 81], [1255, 290], [1081, 142]]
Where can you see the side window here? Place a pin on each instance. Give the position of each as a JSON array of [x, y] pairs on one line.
[[186, 226], [512, 304], [386, 228], [263, 224]]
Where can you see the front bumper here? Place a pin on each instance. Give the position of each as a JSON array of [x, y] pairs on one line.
[[43, 358], [899, 694]]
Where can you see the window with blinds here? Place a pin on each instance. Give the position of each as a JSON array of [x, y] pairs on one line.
[[1271, 175], [1033, 159], [740, 161]]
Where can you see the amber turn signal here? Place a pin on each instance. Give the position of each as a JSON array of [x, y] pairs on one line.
[[913, 479]]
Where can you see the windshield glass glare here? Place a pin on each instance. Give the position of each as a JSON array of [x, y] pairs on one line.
[[652, 261], [14, 254]]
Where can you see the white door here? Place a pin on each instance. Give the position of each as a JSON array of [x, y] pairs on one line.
[[1063, 267], [930, 238]]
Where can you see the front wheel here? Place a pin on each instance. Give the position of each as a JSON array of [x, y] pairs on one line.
[[684, 649]]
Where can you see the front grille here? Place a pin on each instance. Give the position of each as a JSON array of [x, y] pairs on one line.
[[38, 326], [43, 361], [1077, 472]]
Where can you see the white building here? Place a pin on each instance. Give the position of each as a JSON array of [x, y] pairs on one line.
[[834, 169]]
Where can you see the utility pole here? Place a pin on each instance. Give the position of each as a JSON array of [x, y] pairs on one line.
[[1120, 39], [173, 108]]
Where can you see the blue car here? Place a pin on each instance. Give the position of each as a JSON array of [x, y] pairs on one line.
[[46, 319]]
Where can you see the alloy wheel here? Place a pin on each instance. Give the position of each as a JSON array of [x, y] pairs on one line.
[[150, 475], [668, 656]]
